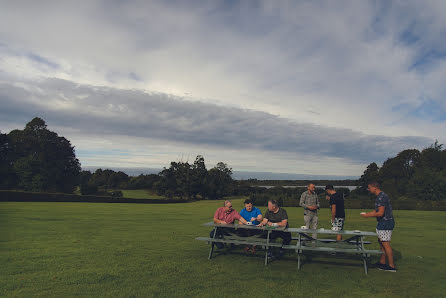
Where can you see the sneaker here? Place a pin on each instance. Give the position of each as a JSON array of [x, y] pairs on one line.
[[379, 265], [270, 254], [281, 252], [387, 268], [219, 245]]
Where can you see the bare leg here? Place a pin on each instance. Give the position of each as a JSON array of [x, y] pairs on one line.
[[382, 260], [389, 253], [339, 237]]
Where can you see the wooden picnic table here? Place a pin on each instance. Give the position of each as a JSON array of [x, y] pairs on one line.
[[354, 242]]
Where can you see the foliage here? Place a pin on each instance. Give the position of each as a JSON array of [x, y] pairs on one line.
[[411, 173], [37, 159]]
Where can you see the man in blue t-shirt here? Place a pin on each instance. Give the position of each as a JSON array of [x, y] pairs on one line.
[[384, 228], [253, 216]]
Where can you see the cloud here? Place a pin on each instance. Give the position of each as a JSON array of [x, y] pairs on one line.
[[97, 110], [354, 81]]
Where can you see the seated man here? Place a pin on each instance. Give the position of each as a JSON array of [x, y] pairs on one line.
[[225, 215], [252, 215], [276, 217]]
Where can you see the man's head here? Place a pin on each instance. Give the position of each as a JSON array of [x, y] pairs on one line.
[[374, 187], [228, 206], [330, 189], [311, 187], [248, 205], [273, 205]]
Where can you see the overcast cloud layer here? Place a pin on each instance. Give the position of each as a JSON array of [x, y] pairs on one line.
[[302, 87]]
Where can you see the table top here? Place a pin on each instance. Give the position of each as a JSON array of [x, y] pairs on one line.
[[253, 227], [293, 230]]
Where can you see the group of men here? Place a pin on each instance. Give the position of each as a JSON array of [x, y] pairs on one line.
[[277, 216]]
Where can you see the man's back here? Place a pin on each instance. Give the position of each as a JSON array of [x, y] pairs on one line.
[[338, 200]]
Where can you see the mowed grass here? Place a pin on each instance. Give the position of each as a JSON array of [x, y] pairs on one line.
[[90, 249]]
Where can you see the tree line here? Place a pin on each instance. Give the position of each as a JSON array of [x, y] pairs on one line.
[[37, 159], [412, 174]]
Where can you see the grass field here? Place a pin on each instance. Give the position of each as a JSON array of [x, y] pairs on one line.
[[90, 249]]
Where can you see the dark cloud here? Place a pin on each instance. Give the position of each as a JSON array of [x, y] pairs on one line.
[[94, 110]]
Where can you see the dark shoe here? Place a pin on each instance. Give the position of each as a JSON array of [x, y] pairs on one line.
[[219, 245], [270, 254], [387, 268], [379, 265], [281, 252]]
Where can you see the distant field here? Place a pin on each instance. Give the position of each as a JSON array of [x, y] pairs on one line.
[[93, 249], [140, 194]]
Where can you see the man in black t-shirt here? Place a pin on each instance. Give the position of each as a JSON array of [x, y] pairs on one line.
[[276, 217], [337, 210]]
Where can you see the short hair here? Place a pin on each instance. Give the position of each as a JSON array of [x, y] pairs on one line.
[[227, 201], [329, 186], [248, 201], [274, 202], [375, 184]]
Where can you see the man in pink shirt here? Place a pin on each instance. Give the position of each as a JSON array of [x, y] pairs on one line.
[[225, 215]]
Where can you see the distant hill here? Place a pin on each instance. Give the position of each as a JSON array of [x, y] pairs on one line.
[[238, 175]]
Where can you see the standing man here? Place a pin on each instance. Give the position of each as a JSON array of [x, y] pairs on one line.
[[225, 215], [337, 210], [252, 215], [384, 228], [310, 202], [276, 217]]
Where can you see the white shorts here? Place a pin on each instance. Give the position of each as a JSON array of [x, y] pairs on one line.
[[384, 235]]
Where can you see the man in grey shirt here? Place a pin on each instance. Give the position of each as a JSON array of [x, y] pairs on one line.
[[310, 202]]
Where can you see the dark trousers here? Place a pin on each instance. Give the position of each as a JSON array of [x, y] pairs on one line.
[[286, 236], [221, 232]]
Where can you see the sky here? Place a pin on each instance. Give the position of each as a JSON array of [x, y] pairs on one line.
[[304, 87]]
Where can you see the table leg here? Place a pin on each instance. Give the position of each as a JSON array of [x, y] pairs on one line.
[[299, 243], [267, 248], [212, 243], [364, 256]]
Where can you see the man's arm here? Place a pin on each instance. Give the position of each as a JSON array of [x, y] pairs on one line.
[[263, 223], [217, 221], [302, 201], [259, 217], [242, 220], [283, 223], [373, 213], [333, 212]]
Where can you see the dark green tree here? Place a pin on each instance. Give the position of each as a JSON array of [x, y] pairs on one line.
[[42, 160]]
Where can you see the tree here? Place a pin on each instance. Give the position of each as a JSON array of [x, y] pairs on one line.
[[370, 174], [42, 160], [198, 178], [220, 182], [7, 177]]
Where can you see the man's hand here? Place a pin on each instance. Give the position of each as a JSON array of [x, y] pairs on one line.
[[364, 214], [253, 219], [312, 207]]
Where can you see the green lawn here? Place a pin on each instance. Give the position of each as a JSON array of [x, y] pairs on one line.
[[89, 249]]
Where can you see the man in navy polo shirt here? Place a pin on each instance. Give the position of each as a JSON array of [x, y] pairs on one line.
[[384, 228]]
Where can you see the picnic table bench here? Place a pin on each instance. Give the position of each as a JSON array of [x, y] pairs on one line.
[[354, 243]]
